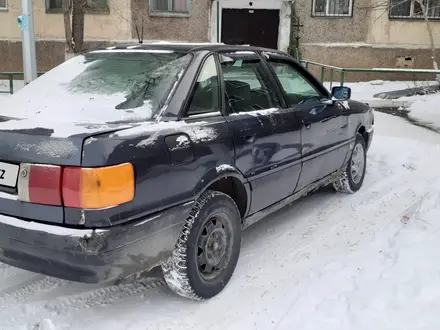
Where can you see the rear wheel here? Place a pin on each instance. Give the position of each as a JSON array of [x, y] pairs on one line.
[[352, 178], [207, 250]]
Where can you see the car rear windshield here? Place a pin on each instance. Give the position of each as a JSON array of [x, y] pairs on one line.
[[102, 87]]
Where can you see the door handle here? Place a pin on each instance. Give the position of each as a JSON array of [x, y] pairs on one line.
[[307, 125], [249, 138], [248, 135]]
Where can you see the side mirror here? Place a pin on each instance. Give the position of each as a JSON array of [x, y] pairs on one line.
[[341, 93]]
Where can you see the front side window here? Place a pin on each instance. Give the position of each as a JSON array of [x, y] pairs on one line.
[[205, 97], [246, 84], [411, 9], [169, 6], [102, 87], [333, 8], [297, 88]]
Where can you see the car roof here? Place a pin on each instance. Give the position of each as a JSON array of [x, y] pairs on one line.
[[191, 47]]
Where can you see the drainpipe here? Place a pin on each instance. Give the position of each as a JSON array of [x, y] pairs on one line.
[[218, 21]]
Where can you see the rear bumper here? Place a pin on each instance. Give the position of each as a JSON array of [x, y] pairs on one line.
[[91, 256]]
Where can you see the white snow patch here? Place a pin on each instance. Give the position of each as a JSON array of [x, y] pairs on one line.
[[133, 50], [197, 132], [244, 52], [345, 104], [426, 110], [364, 44], [185, 43], [264, 112], [148, 142], [51, 148], [183, 142], [46, 324], [224, 167], [365, 91]]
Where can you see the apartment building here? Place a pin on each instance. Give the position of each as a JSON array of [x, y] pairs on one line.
[[348, 33]]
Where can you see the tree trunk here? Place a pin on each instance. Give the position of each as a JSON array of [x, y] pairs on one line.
[[67, 29], [431, 36], [78, 10]]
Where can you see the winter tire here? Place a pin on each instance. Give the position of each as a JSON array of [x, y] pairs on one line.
[[352, 178], [207, 250]]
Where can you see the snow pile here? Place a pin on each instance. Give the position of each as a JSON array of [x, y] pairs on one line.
[[426, 111], [367, 90]]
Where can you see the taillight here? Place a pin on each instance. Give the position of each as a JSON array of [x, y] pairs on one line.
[[87, 188], [40, 184]]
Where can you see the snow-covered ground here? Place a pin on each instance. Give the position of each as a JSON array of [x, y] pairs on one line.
[[328, 261], [423, 109]]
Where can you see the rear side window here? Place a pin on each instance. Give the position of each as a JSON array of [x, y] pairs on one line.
[[247, 86]]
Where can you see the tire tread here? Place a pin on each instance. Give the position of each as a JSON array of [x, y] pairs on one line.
[[175, 269]]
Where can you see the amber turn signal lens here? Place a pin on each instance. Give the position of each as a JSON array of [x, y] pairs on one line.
[[97, 188]]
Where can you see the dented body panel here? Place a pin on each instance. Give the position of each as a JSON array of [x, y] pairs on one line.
[[91, 256]]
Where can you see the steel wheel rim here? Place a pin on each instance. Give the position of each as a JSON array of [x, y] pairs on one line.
[[357, 163], [214, 247]]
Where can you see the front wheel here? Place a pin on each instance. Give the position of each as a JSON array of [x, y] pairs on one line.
[[353, 176], [207, 250]]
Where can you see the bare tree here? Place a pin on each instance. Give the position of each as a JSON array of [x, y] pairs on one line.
[[388, 5], [74, 26]]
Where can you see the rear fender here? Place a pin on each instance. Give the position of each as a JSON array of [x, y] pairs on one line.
[[220, 172]]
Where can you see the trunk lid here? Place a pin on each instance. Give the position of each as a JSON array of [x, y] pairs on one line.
[[55, 143]]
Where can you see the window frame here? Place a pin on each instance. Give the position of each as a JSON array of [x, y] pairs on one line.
[[5, 8], [88, 11], [169, 13], [190, 97], [320, 89], [326, 12], [266, 72], [411, 16]]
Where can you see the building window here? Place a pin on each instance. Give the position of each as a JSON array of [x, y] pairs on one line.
[[92, 5], [3, 4], [97, 5], [55, 5], [169, 7], [411, 9], [332, 8]]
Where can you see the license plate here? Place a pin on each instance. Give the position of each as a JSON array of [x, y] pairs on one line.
[[8, 174]]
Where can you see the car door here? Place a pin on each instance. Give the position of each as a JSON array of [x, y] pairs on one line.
[[266, 134], [324, 131]]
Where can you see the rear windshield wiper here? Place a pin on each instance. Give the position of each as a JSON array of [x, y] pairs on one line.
[[136, 98]]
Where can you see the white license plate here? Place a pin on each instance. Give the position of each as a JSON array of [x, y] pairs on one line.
[[8, 174]]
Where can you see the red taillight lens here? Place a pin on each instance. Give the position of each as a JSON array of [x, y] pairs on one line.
[[40, 184]]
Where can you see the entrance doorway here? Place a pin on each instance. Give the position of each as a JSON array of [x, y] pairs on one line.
[[256, 27]]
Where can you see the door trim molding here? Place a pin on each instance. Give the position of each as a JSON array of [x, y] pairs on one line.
[[215, 22]]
